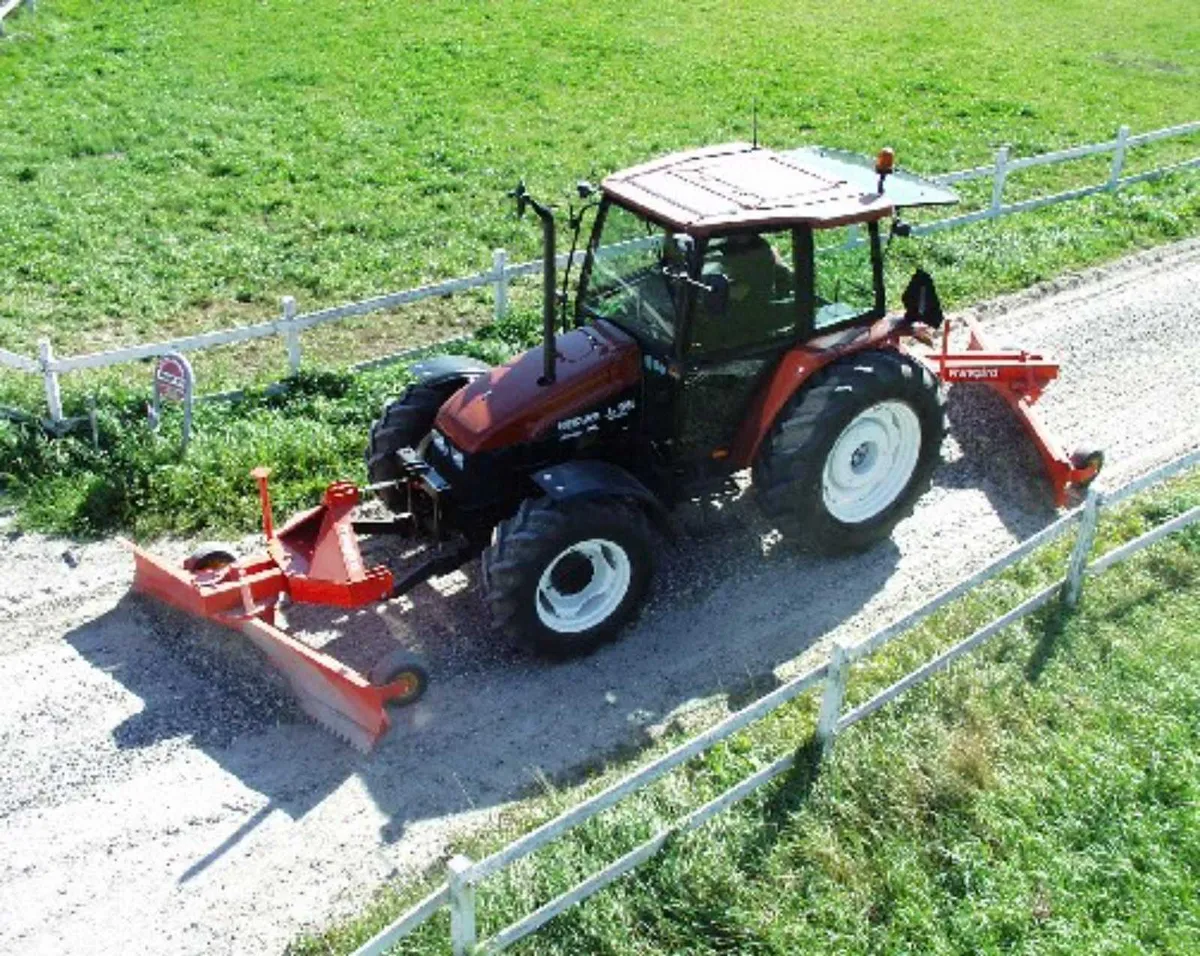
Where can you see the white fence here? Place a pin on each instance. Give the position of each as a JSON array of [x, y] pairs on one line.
[[8, 6], [289, 325], [458, 892]]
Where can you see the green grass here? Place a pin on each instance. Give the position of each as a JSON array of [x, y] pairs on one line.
[[175, 166], [1042, 796], [311, 432]]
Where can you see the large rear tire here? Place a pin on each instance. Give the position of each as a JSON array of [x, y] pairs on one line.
[[852, 451], [562, 577], [405, 423]]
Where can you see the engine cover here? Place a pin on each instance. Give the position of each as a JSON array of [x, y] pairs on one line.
[[508, 406]]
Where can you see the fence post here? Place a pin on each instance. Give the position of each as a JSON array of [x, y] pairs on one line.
[[1118, 160], [1083, 547], [500, 268], [53, 396], [462, 907], [831, 700], [291, 334], [998, 181]]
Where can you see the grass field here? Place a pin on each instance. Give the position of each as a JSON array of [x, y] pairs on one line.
[[179, 165], [176, 166], [1041, 797]]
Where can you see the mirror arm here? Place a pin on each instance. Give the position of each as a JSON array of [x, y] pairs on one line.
[[575, 221]]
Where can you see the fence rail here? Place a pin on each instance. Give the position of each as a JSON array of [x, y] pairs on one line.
[[458, 892], [8, 6], [289, 325]]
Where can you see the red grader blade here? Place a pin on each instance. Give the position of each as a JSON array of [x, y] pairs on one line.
[[314, 558], [1019, 377]]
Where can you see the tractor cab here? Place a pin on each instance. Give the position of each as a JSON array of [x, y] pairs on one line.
[[709, 260], [714, 249]]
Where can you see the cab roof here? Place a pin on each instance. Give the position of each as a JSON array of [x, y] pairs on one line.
[[737, 185]]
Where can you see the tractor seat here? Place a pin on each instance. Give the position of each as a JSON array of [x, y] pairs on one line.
[[757, 281]]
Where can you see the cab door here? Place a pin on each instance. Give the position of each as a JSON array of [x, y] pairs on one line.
[[736, 335]]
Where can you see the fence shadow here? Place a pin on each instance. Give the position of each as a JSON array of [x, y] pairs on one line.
[[1052, 629]]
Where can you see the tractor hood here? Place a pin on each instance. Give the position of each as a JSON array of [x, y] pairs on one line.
[[508, 406]]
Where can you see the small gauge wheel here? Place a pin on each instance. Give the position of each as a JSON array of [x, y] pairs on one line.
[[403, 674], [1085, 459], [210, 557]]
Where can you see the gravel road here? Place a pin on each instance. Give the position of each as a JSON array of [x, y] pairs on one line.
[[159, 793]]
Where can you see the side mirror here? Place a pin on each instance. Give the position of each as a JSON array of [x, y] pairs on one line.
[[521, 195], [901, 228], [921, 303], [584, 189]]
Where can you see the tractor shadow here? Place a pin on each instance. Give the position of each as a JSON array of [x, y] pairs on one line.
[[209, 686], [726, 609], [988, 450]]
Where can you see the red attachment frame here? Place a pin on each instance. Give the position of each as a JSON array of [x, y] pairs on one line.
[[314, 558], [1019, 377]]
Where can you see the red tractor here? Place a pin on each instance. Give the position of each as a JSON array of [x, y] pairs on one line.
[[707, 336]]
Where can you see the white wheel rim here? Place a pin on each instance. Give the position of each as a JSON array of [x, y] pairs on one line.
[[870, 464], [592, 594]]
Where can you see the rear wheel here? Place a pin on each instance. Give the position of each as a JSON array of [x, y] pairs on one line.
[[852, 451], [563, 576], [405, 423]]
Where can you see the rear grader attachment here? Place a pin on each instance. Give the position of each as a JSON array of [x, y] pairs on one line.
[[1019, 377], [315, 559]]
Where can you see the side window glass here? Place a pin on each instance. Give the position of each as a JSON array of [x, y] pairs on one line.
[[761, 302], [783, 278], [844, 283]]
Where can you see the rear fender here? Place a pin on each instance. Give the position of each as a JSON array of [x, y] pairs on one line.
[[590, 478], [795, 369]]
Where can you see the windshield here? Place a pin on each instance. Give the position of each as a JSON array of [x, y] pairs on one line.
[[627, 284]]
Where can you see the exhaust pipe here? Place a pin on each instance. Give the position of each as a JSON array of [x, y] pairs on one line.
[[549, 293], [549, 271]]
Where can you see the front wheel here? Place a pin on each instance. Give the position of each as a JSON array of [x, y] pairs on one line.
[[563, 576]]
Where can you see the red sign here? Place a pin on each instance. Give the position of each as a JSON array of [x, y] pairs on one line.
[[171, 379]]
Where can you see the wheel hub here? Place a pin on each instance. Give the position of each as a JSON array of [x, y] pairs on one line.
[[572, 573], [583, 586], [859, 460]]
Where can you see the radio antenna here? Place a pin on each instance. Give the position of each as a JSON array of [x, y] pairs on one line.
[[754, 119]]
